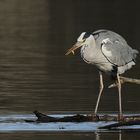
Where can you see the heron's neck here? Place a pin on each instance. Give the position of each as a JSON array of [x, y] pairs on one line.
[[89, 51], [89, 46]]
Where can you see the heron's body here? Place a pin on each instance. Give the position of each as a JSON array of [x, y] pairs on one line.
[[110, 53]]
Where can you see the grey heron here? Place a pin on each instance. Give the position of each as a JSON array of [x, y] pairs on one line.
[[110, 53]]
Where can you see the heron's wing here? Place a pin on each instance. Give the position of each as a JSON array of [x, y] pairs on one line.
[[117, 52]]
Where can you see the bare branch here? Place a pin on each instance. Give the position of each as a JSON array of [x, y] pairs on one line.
[[125, 80]]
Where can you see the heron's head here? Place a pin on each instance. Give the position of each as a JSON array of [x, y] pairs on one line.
[[83, 40]]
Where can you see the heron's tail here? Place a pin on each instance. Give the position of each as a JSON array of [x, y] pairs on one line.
[[135, 52]]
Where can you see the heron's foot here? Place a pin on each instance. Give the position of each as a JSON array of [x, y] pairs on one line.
[[120, 118], [94, 117]]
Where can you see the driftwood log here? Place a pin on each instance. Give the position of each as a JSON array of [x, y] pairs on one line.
[[128, 119]]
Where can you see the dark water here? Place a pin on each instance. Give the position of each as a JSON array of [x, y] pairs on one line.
[[70, 136], [36, 75]]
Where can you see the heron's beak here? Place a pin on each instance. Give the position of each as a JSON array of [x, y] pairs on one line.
[[74, 47]]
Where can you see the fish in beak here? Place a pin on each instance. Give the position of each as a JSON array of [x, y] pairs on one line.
[[74, 47]]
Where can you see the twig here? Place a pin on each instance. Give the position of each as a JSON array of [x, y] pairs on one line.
[[125, 80]]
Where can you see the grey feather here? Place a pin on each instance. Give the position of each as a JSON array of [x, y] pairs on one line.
[[122, 53]]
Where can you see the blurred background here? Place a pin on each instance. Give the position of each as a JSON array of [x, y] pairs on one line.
[[35, 74]]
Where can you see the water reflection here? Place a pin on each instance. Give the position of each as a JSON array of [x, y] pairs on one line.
[[97, 136], [70, 136], [113, 135], [121, 135], [118, 135]]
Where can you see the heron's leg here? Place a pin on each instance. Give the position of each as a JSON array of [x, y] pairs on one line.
[[120, 116], [100, 92]]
